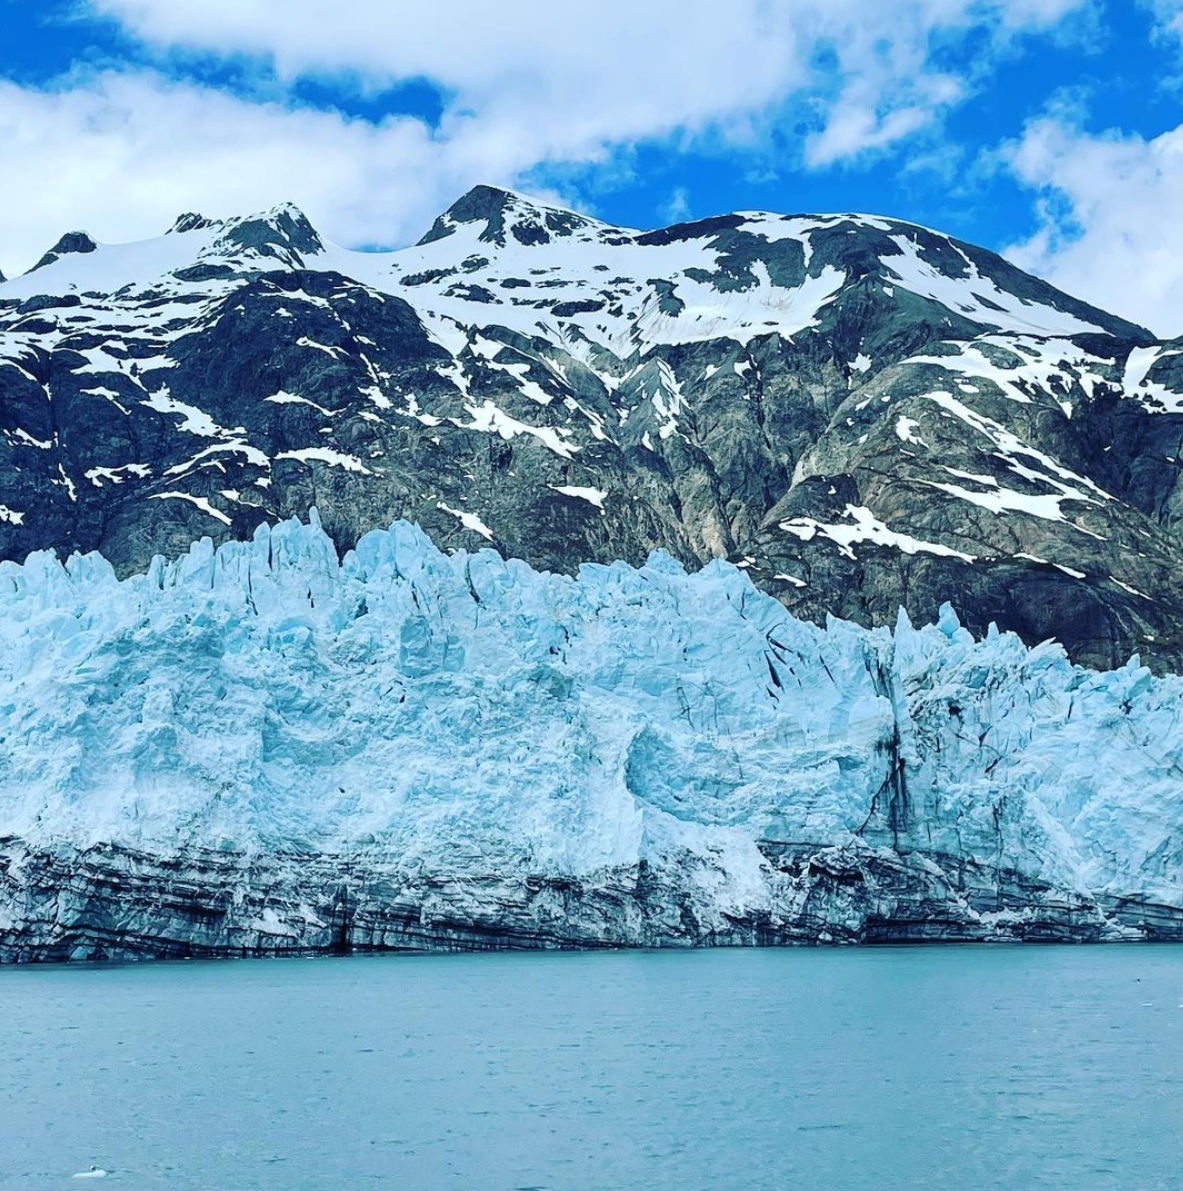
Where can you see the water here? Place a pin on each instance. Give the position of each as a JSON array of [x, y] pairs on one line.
[[959, 1068]]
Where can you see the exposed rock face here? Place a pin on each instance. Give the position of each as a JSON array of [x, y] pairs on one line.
[[864, 413], [108, 903], [70, 242], [261, 749]]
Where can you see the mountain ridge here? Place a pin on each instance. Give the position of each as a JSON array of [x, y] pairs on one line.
[[858, 410]]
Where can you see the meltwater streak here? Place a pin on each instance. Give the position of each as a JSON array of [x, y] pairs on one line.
[[1001, 1068]]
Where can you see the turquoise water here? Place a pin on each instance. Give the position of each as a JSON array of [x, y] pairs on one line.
[[885, 1070]]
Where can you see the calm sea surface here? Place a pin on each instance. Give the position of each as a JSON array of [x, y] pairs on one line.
[[886, 1069]]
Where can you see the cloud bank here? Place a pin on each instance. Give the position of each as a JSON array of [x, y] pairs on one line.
[[526, 88], [1110, 229]]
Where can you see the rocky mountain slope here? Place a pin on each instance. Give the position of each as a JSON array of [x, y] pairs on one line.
[[861, 412], [261, 749]]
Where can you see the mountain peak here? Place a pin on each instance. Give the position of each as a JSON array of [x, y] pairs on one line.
[[192, 222], [283, 232], [507, 213], [71, 242]]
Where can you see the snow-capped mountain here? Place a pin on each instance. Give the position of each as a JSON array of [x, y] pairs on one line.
[[262, 748], [862, 412]]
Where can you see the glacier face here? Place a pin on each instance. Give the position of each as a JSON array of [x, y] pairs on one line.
[[262, 747]]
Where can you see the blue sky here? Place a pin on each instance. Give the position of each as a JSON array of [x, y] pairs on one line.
[[1052, 129]]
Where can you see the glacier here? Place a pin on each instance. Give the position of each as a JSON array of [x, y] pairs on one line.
[[267, 748]]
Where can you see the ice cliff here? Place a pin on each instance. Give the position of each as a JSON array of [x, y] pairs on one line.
[[262, 748]]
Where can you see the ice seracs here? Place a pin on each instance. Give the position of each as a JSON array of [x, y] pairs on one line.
[[267, 747]]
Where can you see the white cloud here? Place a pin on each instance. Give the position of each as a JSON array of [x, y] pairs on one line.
[[888, 84], [854, 127], [526, 84], [630, 70], [622, 71], [676, 209], [1111, 231], [1168, 14], [123, 153]]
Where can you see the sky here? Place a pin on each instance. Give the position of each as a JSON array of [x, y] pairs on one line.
[[1050, 130]]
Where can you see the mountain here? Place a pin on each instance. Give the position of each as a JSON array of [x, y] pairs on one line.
[[861, 412], [262, 748]]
